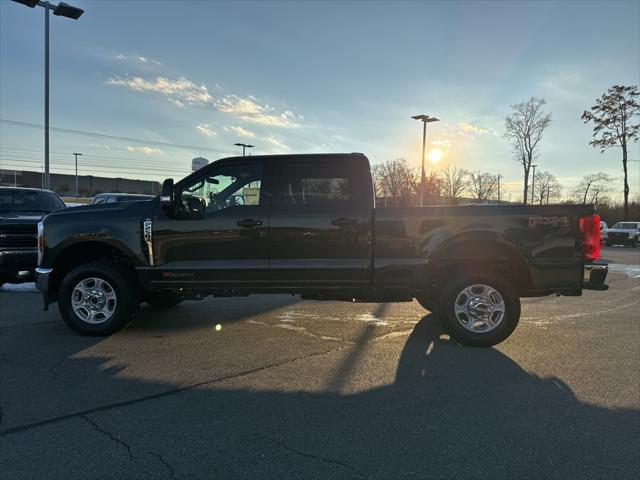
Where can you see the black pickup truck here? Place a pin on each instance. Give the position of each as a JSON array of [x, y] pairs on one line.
[[306, 224], [20, 211]]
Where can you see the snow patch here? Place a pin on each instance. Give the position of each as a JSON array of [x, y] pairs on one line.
[[372, 319]]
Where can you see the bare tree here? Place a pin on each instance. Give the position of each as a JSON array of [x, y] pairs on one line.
[[592, 187], [455, 181], [524, 128], [613, 118], [394, 179], [547, 188], [482, 185], [433, 187]]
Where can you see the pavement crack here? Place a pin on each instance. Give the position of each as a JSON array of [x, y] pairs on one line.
[[108, 434], [164, 462], [331, 461], [53, 369], [173, 391]]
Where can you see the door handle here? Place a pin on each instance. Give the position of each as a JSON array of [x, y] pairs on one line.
[[249, 223], [343, 222]]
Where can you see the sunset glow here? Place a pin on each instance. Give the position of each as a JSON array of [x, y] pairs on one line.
[[435, 155]]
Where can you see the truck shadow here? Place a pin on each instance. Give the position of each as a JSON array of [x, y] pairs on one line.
[[452, 412], [194, 314]]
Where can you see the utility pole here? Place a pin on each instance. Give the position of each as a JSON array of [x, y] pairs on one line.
[[77, 155], [425, 119], [533, 184], [60, 10], [499, 177]]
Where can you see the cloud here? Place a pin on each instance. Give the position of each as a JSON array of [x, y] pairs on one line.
[[569, 86], [442, 143], [468, 128], [277, 143], [145, 150], [206, 129], [179, 92], [248, 108], [242, 132], [182, 92], [100, 145], [139, 59]]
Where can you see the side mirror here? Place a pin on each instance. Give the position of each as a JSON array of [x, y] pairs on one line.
[[166, 197]]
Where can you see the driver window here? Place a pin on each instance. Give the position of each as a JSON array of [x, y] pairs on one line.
[[229, 186]]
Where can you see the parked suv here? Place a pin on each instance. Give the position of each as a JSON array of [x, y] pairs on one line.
[[20, 211], [624, 233], [119, 197]]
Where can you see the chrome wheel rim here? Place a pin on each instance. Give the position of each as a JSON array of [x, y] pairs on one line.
[[479, 308], [93, 300]]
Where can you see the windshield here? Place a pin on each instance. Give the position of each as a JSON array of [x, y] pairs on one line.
[[40, 201], [626, 225]]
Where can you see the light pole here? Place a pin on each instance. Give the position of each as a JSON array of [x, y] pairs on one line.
[[425, 119], [60, 10], [244, 146], [533, 184], [499, 177], [77, 155]]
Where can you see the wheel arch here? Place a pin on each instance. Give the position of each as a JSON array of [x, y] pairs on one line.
[[77, 253], [481, 252]]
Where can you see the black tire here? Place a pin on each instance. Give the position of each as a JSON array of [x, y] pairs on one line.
[[122, 284], [504, 328], [162, 299]]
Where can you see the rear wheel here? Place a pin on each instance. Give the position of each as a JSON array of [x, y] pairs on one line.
[[479, 309], [98, 298], [162, 299]]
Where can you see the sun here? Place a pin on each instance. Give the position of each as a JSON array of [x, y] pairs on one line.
[[435, 155]]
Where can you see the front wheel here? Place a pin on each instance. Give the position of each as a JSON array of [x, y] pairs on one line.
[[479, 310], [98, 298]]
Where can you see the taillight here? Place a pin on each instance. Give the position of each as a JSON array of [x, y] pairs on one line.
[[590, 237]]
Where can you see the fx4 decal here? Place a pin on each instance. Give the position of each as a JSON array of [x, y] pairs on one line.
[[550, 221]]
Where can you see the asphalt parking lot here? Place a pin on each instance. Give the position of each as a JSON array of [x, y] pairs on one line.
[[285, 388]]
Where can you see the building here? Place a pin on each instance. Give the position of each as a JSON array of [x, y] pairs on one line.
[[88, 185]]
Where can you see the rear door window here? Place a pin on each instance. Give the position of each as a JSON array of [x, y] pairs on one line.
[[314, 184]]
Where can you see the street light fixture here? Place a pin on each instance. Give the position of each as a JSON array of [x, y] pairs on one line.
[[425, 119], [60, 10], [244, 146], [77, 155]]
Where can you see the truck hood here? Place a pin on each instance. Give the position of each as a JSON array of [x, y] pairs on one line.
[[621, 230], [116, 208], [17, 217]]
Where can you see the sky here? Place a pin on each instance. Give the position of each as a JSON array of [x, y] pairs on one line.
[[191, 78]]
